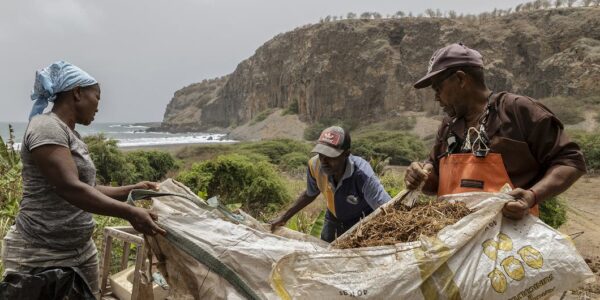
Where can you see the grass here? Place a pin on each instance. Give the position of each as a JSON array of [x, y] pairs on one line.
[[261, 116]]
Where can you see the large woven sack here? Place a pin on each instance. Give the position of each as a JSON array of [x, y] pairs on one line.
[[482, 256]]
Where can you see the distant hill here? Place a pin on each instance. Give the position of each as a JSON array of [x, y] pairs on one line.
[[363, 70]]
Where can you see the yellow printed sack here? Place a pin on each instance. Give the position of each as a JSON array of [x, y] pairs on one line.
[[482, 256]]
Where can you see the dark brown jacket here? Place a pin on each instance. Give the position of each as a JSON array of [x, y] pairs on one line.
[[527, 134]]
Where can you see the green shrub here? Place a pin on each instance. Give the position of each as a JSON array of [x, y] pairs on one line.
[[261, 116], [553, 212], [293, 161], [115, 167], [151, 165], [275, 149], [238, 179], [393, 183], [402, 148], [111, 164], [590, 145], [565, 109], [292, 109], [11, 184]]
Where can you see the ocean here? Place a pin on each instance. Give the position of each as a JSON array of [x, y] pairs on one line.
[[127, 134]]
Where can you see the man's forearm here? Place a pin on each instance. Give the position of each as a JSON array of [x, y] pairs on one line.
[[300, 203], [556, 180]]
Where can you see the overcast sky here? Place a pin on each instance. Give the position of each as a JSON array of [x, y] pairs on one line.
[[142, 51]]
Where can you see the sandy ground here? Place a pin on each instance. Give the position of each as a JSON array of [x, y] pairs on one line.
[[274, 126], [583, 223]]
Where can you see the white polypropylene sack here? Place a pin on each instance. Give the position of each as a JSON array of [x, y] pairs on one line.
[[482, 256], [249, 249]]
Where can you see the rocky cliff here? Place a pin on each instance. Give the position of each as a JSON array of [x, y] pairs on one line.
[[364, 69]]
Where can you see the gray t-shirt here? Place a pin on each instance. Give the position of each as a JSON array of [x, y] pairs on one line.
[[44, 218]]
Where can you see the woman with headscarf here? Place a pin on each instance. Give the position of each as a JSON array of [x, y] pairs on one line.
[[54, 225]]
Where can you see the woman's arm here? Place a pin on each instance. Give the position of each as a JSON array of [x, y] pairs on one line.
[[121, 192], [57, 165]]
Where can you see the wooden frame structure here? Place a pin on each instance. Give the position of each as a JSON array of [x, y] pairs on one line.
[[129, 236]]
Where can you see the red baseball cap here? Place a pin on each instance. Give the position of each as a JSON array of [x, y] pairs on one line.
[[333, 141], [454, 55]]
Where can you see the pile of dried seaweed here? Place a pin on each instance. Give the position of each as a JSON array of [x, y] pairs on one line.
[[398, 224]]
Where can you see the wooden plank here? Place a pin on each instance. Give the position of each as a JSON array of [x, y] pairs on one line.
[[139, 264], [122, 235], [105, 265], [125, 257]]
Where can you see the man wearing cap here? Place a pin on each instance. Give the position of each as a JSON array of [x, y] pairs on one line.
[[489, 140], [348, 183]]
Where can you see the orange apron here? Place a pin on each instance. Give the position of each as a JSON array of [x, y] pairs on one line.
[[464, 172]]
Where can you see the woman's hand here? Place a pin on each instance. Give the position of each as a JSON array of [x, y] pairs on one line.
[[146, 185], [143, 221]]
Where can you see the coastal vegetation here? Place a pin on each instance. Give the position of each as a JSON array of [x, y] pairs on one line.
[[248, 180], [115, 167]]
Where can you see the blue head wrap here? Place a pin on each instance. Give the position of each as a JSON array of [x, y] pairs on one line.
[[58, 77]]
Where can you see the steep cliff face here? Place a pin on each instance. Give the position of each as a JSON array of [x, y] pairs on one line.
[[185, 111], [364, 69]]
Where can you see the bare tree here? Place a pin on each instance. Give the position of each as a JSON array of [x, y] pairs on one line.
[[537, 4], [351, 15], [571, 2], [400, 14], [596, 2], [508, 11], [438, 13], [452, 14], [430, 13], [365, 15], [327, 19], [376, 15], [586, 3], [494, 12], [559, 3], [410, 14]]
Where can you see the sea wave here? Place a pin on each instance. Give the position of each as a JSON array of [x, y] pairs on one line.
[[200, 139], [127, 126], [179, 140]]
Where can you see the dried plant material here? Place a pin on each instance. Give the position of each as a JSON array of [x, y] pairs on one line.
[[398, 224]]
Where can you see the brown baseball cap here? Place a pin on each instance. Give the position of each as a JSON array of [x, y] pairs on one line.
[[450, 56], [333, 141]]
